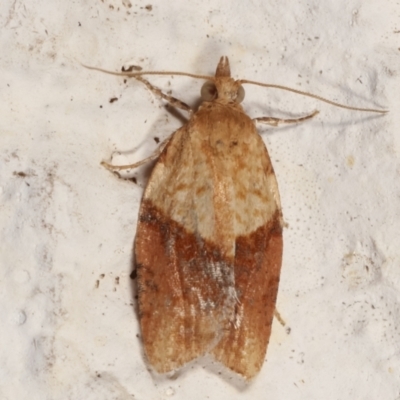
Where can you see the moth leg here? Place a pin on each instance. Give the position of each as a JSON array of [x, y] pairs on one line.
[[278, 316], [154, 156], [170, 99], [275, 121]]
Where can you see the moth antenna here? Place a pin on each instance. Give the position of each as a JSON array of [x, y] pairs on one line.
[[134, 74], [241, 81], [314, 96]]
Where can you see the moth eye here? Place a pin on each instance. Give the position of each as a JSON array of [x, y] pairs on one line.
[[208, 91], [240, 94]]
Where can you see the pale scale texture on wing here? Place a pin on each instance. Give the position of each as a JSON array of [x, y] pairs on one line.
[[216, 178]]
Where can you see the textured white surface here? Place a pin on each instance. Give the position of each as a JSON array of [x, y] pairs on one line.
[[69, 328]]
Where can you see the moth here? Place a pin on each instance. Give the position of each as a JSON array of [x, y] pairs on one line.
[[208, 246]]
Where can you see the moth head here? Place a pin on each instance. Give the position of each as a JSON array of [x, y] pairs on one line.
[[226, 89]]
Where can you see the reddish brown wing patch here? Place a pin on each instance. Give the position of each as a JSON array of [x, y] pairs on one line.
[[184, 288], [257, 269]]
